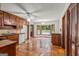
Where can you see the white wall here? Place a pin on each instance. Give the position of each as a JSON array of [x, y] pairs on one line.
[[35, 29], [60, 26]]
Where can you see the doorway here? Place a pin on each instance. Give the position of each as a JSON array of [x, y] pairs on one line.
[[45, 29], [31, 30]]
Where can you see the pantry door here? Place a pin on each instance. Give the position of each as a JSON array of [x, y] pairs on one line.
[[78, 29], [73, 29]]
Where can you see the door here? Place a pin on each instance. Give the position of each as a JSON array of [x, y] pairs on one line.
[[32, 31], [73, 30], [66, 33], [63, 33]]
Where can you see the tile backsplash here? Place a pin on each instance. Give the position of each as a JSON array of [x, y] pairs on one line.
[[9, 31]]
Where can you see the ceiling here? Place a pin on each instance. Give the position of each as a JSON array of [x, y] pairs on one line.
[[38, 11]]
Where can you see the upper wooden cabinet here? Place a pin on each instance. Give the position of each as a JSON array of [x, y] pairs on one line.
[[22, 22], [19, 22], [1, 18], [7, 19], [25, 22], [11, 21]]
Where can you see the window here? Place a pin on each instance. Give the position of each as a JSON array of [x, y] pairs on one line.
[[45, 28]]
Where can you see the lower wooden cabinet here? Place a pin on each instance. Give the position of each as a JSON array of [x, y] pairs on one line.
[[2, 38], [56, 39], [13, 37]]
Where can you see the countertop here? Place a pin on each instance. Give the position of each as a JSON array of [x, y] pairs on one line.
[[4, 43], [10, 34]]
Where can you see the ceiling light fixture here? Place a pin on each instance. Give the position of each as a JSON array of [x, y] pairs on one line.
[[28, 19]]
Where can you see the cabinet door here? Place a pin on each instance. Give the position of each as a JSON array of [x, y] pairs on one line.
[[3, 38], [6, 19], [1, 18], [24, 22], [14, 37], [21, 23], [18, 22], [56, 39], [12, 19]]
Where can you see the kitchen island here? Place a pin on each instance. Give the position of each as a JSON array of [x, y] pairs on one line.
[[8, 47]]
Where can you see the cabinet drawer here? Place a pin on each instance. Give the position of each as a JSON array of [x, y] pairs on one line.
[[55, 39], [2, 38], [12, 36]]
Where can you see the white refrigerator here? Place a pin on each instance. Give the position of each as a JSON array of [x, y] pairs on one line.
[[23, 34]]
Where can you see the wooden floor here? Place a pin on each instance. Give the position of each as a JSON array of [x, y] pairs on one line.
[[39, 46]]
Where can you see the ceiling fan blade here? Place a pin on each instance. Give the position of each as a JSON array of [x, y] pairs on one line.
[[19, 5], [37, 11], [15, 12], [35, 16]]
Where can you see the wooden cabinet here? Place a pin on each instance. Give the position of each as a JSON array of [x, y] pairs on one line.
[[10, 21], [19, 23], [13, 19], [9, 47], [56, 39], [7, 19], [13, 37], [1, 19], [3, 38]]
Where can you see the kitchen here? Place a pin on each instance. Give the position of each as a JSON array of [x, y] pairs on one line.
[[13, 31]]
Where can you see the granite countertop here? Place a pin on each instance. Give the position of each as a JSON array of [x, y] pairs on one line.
[[6, 43], [8, 34]]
